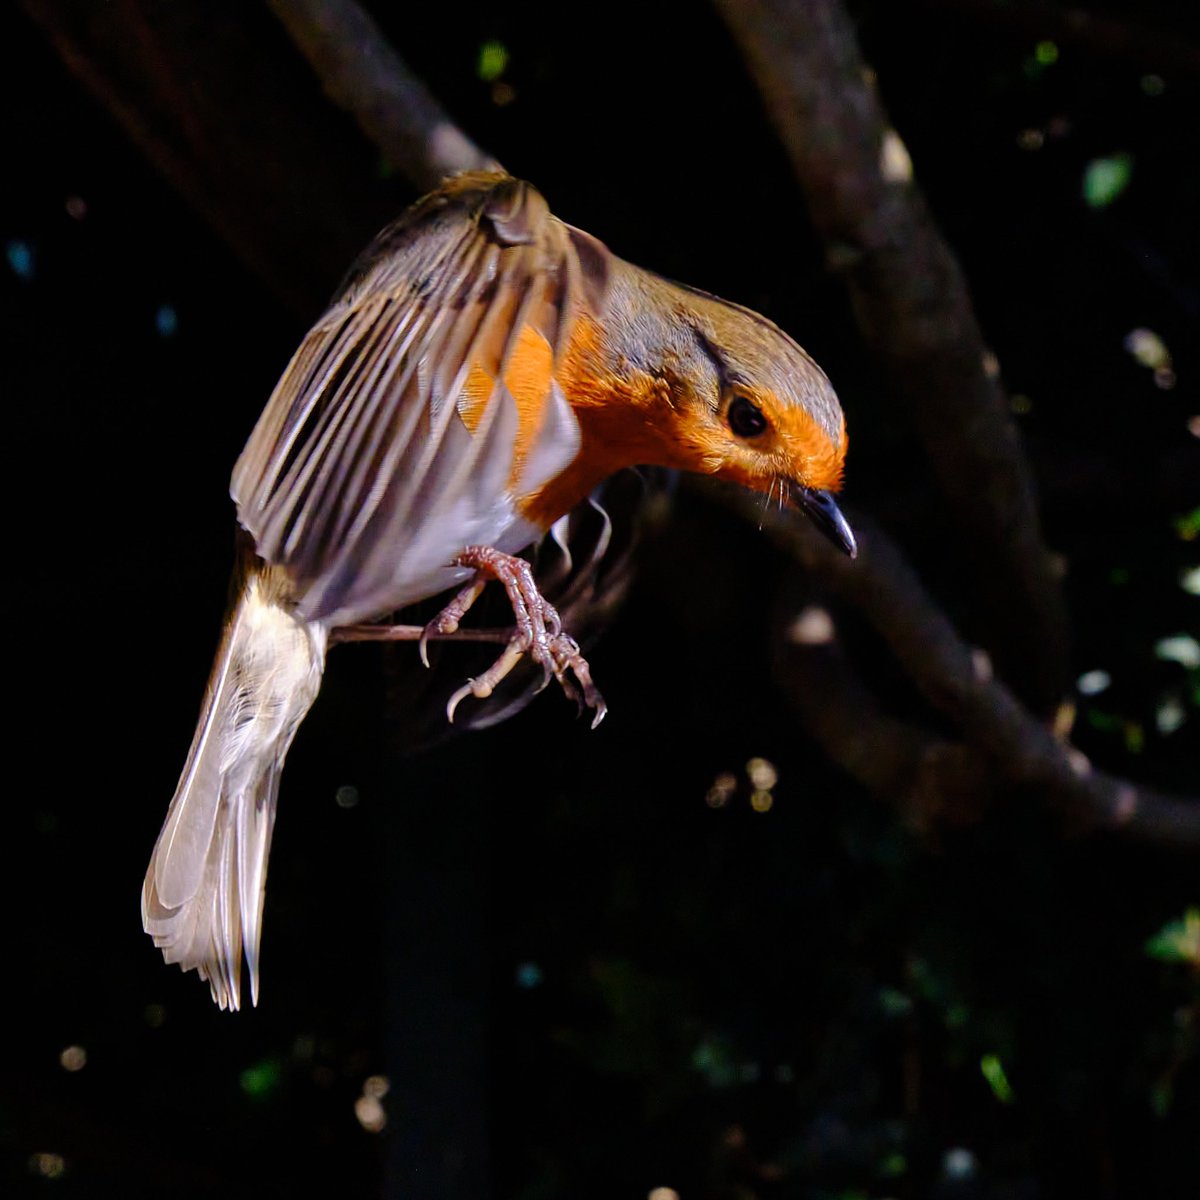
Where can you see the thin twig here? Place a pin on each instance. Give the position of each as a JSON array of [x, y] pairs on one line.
[[414, 633]]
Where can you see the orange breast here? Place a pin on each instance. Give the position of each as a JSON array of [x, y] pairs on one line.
[[618, 424]]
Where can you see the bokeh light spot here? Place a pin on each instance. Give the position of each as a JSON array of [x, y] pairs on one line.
[[48, 1166], [722, 790], [528, 975], [1148, 348], [1169, 715], [1092, 683], [1187, 526], [166, 321], [992, 1070], [20, 258], [762, 802], [73, 1058], [1046, 53], [1178, 941], [762, 774], [895, 163], [1105, 179], [959, 1163], [493, 60], [1181, 648], [812, 627], [260, 1080], [370, 1114]]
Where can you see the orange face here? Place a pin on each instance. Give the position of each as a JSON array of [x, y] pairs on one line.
[[752, 439], [679, 379]]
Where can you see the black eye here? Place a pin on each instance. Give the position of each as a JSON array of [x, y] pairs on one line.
[[745, 417]]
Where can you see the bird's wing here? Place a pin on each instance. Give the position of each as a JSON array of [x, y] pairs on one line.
[[422, 401]]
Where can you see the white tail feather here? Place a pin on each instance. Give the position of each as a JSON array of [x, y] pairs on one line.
[[202, 901]]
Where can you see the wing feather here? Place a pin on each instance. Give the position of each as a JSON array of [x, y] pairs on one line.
[[362, 476]]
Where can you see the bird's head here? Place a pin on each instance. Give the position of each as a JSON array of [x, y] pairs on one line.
[[719, 390]]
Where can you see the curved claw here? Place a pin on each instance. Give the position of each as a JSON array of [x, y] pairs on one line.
[[460, 695], [449, 619], [539, 633], [484, 685]]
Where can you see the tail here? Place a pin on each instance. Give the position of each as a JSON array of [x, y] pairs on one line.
[[202, 901]]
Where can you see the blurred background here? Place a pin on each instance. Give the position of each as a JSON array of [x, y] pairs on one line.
[[803, 918]]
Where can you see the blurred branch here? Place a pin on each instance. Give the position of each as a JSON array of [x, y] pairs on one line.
[[209, 94], [254, 179], [282, 184], [363, 75], [915, 314], [930, 780], [957, 679]]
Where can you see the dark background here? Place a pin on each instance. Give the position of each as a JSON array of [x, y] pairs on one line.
[[578, 976]]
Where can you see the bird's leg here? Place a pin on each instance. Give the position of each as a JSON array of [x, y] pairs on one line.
[[538, 632], [448, 620]]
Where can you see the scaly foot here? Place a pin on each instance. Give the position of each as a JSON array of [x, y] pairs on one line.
[[538, 632]]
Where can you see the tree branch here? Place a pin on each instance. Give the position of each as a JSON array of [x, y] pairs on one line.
[[958, 680], [279, 182], [915, 314], [930, 780], [363, 75]]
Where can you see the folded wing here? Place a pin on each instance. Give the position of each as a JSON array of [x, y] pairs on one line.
[[422, 402]]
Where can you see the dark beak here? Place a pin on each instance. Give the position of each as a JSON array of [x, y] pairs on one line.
[[824, 513]]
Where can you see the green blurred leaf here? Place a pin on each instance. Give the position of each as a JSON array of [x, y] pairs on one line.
[[260, 1080], [714, 1059], [1135, 737], [1188, 525], [1046, 53], [1104, 179], [1105, 722], [993, 1071], [493, 60], [1178, 941], [894, 1003], [957, 1015]]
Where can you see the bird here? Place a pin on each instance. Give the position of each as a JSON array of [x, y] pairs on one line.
[[482, 369]]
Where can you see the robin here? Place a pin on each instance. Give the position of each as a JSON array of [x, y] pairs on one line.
[[484, 367]]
